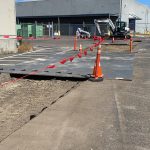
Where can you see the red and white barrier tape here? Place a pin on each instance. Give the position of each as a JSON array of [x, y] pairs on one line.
[[40, 38], [11, 37], [53, 66]]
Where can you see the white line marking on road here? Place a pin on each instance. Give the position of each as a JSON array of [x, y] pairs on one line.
[[1, 65], [118, 78], [24, 53], [9, 60]]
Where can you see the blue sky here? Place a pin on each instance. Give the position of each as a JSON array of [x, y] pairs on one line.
[[147, 2]]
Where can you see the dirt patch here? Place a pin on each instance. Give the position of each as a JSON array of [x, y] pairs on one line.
[[25, 99], [116, 48], [25, 47], [4, 77]]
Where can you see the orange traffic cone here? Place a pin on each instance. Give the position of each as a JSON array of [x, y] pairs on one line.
[[97, 71], [113, 39], [75, 43], [131, 45], [80, 49]]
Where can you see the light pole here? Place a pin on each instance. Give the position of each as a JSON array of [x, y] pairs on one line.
[[146, 20], [120, 10]]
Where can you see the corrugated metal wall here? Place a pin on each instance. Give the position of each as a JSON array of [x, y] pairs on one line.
[[67, 7]]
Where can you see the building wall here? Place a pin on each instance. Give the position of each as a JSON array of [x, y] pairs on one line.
[[7, 17], [67, 7], [132, 7], [82, 8], [7, 25]]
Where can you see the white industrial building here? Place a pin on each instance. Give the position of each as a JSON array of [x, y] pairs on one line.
[[7, 26], [134, 13]]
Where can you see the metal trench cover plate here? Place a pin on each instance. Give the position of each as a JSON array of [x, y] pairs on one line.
[[115, 65]]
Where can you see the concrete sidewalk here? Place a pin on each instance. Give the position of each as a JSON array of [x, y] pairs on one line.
[[110, 115], [84, 119]]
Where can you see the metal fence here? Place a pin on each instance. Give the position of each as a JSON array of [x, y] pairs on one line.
[[47, 30], [70, 29], [143, 28], [44, 30]]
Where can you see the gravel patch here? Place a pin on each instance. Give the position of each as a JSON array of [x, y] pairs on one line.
[[23, 100]]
